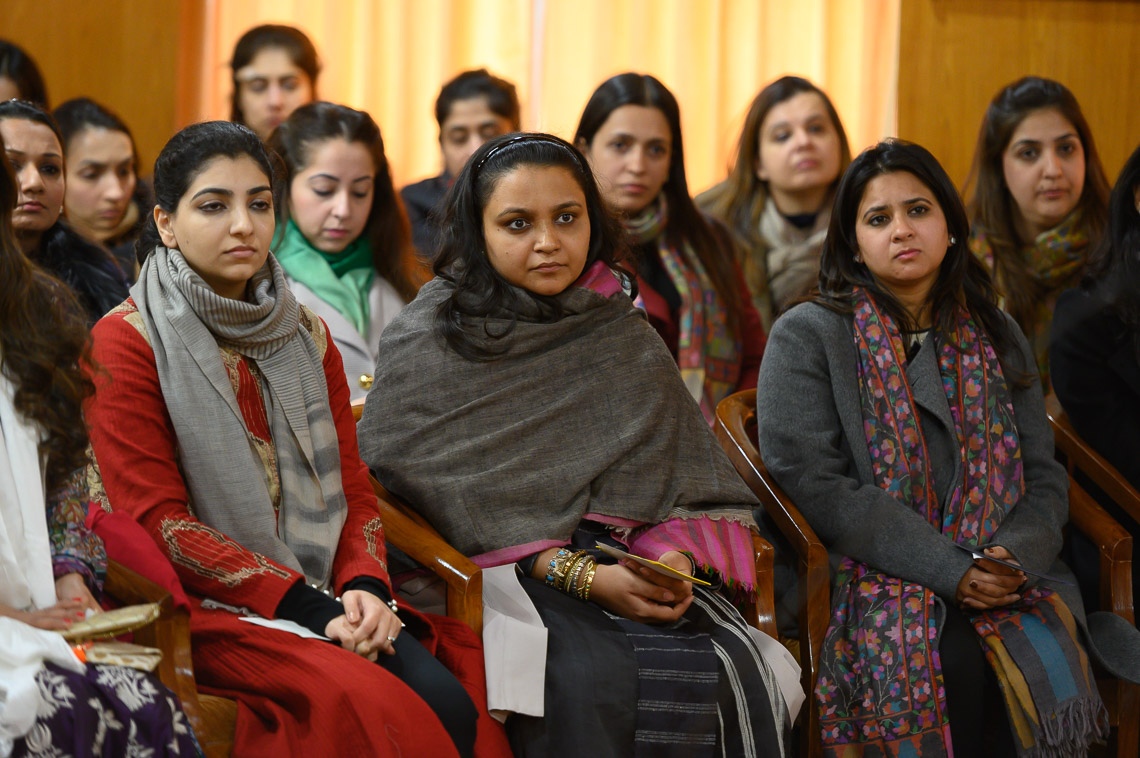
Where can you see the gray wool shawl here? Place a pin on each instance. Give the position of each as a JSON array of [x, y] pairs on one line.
[[583, 415], [186, 323]]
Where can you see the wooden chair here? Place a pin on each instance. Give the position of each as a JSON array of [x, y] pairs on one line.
[[1122, 698], [213, 718], [737, 431]]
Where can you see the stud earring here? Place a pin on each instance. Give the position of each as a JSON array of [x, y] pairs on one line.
[[953, 241]]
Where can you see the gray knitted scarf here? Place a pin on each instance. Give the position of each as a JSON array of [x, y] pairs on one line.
[[187, 322]]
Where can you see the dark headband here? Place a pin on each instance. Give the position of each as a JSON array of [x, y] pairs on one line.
[[532, 137]]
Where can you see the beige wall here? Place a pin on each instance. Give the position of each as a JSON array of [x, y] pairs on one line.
[[954, 55], [123, 54]]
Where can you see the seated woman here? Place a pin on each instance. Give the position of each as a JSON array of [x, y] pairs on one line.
[[1038, 203], [1094, 352], [104, 201], [524, 406], [473, 107], [902, 414], [52, 566], [34, 146], [687, 276], [275, 70], [20, 77], [777, 198], [344, 243], [221, 422]]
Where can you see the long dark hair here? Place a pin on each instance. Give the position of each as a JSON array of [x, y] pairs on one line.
[[188, 153], [21, 68], [992, 207], [1114, 268], [388, 230], [962, 278], [740, 199], [43, 344], [290, 39], [709, 239], [480, 291]]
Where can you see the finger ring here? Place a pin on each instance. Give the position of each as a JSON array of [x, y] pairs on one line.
[[391, 639]]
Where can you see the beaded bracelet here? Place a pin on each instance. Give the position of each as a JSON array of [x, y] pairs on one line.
[[556, 570]]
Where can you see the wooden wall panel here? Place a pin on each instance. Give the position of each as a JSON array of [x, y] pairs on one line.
[[123, 54], [954, 55]]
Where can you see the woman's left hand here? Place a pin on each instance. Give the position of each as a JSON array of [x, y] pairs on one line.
[[73, 587], [375, 626], [674, 560]]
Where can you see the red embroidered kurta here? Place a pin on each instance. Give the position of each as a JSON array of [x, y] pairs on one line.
[[295, 695]]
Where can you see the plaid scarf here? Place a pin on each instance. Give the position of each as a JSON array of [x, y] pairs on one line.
[[186, 321], [708, 356], [882, 691]]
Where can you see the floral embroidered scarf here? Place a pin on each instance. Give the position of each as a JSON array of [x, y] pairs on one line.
[[880, 689], [707, 354]]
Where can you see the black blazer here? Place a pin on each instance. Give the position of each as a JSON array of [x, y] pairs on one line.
[[1096, 377]]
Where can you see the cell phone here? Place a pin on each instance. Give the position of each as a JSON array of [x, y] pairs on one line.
[[978, 554]]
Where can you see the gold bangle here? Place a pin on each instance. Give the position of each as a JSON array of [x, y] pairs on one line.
[[588, 581], [574, 572]]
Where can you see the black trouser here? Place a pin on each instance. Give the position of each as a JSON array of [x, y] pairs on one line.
[[979, 724], [438, 687]]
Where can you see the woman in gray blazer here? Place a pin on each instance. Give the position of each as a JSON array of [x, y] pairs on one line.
[[901, 412]]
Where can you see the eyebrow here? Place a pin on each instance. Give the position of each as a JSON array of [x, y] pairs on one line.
[[561, 207], [229, 193], [1065, 136], [370, 177], [21, 153], [883, 207]]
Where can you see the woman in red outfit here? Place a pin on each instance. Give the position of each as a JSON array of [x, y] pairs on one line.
[[221, 422], [690, 285]]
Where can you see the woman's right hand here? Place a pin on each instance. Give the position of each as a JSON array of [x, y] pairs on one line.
[[988, 585], [56, 618], [621, 590]]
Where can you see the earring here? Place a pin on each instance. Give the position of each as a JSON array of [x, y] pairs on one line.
[[856, 258], [953, 241]]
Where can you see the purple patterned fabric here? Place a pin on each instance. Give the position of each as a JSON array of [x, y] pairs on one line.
[[106, 711]]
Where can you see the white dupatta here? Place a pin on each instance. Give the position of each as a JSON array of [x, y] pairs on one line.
[[26, 579]]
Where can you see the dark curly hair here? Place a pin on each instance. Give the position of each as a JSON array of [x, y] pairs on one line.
[[43, 345], [480, 291]]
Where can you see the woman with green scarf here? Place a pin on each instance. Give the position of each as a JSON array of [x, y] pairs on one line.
[[344, 241]]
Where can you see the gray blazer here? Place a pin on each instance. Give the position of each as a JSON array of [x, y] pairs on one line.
[[812, 441]]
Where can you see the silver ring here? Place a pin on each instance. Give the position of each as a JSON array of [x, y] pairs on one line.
[[391, 639]]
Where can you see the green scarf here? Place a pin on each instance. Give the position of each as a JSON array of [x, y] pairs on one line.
[[343, 280]]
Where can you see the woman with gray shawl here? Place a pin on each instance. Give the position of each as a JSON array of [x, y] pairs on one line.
[[528, 410], [221, 423]]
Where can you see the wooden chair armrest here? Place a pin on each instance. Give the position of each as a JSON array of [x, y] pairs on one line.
[[410, 532], [1079, 456], [170, 633], [1115, 546], [762, 611]]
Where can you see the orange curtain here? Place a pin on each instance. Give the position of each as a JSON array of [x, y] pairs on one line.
[[390, 57]]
